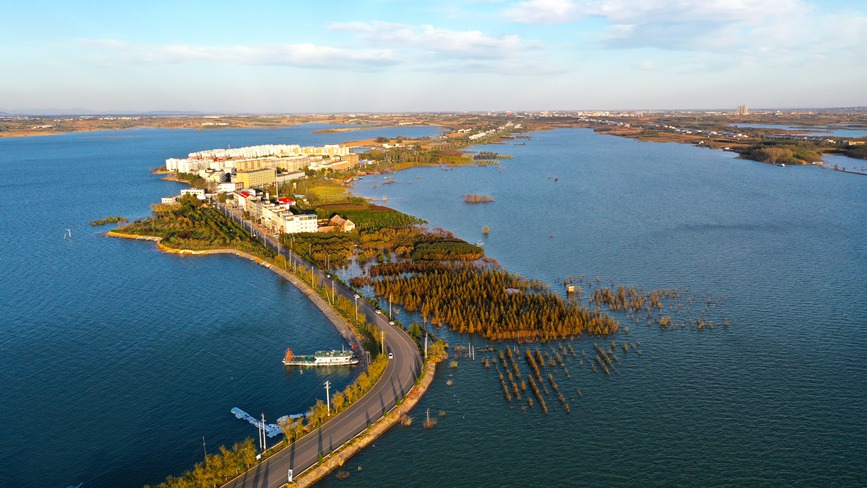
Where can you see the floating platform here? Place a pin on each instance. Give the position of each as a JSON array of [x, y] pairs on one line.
[[271, 430]]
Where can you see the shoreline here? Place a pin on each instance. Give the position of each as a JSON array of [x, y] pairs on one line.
[[335, 459], [637, 133], [37, 133]]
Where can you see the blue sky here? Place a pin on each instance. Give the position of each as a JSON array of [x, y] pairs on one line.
[[380, 56]]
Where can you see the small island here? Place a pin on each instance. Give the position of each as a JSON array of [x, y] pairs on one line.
[[471, 198], [110, 220]]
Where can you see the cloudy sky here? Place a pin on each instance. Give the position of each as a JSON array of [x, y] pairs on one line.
[[288, 56]]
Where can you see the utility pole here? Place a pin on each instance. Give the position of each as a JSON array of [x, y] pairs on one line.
[[389, 305], [260, 434], [264, 440], [328, 397], [425, 345], [382, 334], [356, 306]]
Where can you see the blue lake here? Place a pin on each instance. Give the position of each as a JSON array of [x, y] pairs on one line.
[[118, 359], [776, 398]]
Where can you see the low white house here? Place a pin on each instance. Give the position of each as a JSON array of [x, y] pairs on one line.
[[197, 192]]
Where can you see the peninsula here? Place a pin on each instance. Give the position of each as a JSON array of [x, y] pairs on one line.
[[372, 396], [308, 224]]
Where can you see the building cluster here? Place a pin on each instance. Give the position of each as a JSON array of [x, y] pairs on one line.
[[238, 172], [670, 128], [493, 132], [258, 166], [277, 217]]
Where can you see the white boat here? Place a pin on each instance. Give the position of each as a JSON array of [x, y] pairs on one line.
[[321, 358]]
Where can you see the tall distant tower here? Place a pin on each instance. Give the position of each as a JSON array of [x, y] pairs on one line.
[[743, 110]]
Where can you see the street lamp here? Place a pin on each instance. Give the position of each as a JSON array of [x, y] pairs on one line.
[[292, 253]]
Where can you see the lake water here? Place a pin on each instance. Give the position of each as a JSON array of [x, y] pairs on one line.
[[117, 358], [851, 164], [777, 398], [811, 130]]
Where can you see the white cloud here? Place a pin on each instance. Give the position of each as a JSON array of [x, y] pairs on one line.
[[376, 45], [435, 40], [544, 12], [706, 25], [645, 66], [652, 11], [783, 31], [107, 51]]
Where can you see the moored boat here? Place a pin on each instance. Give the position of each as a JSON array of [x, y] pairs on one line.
[[321, 358]]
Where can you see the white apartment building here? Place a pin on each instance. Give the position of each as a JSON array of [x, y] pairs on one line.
[[288, 156], [292, 224]]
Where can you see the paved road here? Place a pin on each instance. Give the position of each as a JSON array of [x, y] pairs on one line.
[[399, 377]]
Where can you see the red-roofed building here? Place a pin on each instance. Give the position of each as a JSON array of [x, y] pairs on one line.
[[344, 225], [243, 197]]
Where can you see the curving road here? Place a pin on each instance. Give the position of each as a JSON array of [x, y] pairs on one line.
[[398, 379]]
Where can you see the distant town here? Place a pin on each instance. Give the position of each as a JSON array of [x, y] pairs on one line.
[[782, 137]]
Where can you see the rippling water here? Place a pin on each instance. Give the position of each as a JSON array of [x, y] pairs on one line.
[[777, 398], [117, 359]]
